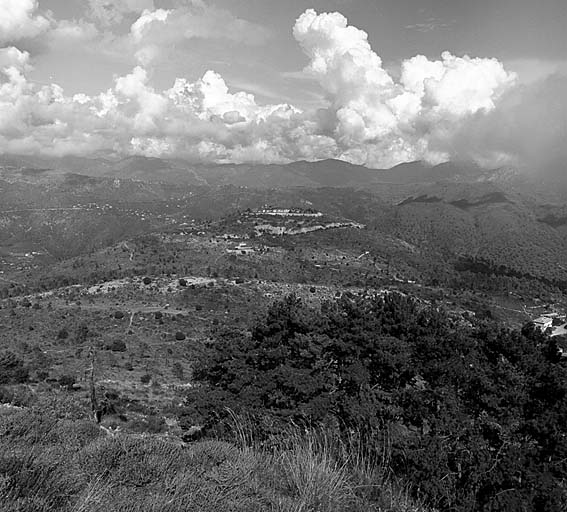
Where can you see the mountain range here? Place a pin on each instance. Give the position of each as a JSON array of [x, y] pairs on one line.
[[324, 173], [449, 211]]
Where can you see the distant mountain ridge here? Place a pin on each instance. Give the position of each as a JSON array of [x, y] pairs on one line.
[[453, 210], [324, 173]]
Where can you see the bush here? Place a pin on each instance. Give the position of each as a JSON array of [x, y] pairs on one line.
[[12, 369], [118, 346], [180, 336], [67, 382], [152, 424], [146, 378], [177, 370], [147, 281], [17, 395], [119, 315], [182, 282]]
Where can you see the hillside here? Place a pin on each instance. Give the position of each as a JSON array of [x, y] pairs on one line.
[[483, 222], [139, 289], [56, 214]]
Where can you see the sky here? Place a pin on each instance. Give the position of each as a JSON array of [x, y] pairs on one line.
[[372, 82]]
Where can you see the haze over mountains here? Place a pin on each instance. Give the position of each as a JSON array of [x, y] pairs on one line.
[[323, 173], [452, 210]]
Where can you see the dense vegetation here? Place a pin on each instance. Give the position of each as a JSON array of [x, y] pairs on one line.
[[53, 463], [473, 416], [305, 403]]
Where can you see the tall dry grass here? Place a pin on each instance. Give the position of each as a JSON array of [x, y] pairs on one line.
[[318, 469], [71, 466]]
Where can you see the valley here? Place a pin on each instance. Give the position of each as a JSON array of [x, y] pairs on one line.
[[124, 286]]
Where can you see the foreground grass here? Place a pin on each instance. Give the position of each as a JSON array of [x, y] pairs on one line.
[[48, 464]]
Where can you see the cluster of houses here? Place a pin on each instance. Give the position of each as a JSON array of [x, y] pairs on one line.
[[287, 212]]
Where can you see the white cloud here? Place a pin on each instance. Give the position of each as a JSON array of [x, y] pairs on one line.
[[19, 21], [11, 57], [66, 32], [377, 120], [192, 119], [111, 12], [454, 106], [158, 31], [456, 85], [143, 24], [528, 127]]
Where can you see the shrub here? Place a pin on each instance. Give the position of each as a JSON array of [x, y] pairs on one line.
[[12, 369], [67, 382], [182, 282], [177, 370], [42, 375], [152, 424], [180, 336], [17, 395], [118, 315], [147, 281], [81, 333], [118, 346], [146, 378]]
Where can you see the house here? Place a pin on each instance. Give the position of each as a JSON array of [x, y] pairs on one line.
[[241, 248], [543, 322]]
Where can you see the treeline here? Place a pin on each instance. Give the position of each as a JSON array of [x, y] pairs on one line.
[[485, 267], [472, 415]]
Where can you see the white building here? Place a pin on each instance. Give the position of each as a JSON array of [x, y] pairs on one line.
[[241, 248], [543, 322]]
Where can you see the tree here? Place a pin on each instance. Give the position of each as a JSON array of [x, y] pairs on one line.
[[476, 414]]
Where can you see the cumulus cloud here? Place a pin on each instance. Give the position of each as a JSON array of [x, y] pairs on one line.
[[66, 32], [377, 120], [160, 30], [13, 58], [19, 21], [527, 127], [200, 120], [111, 12], [435, 110]]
